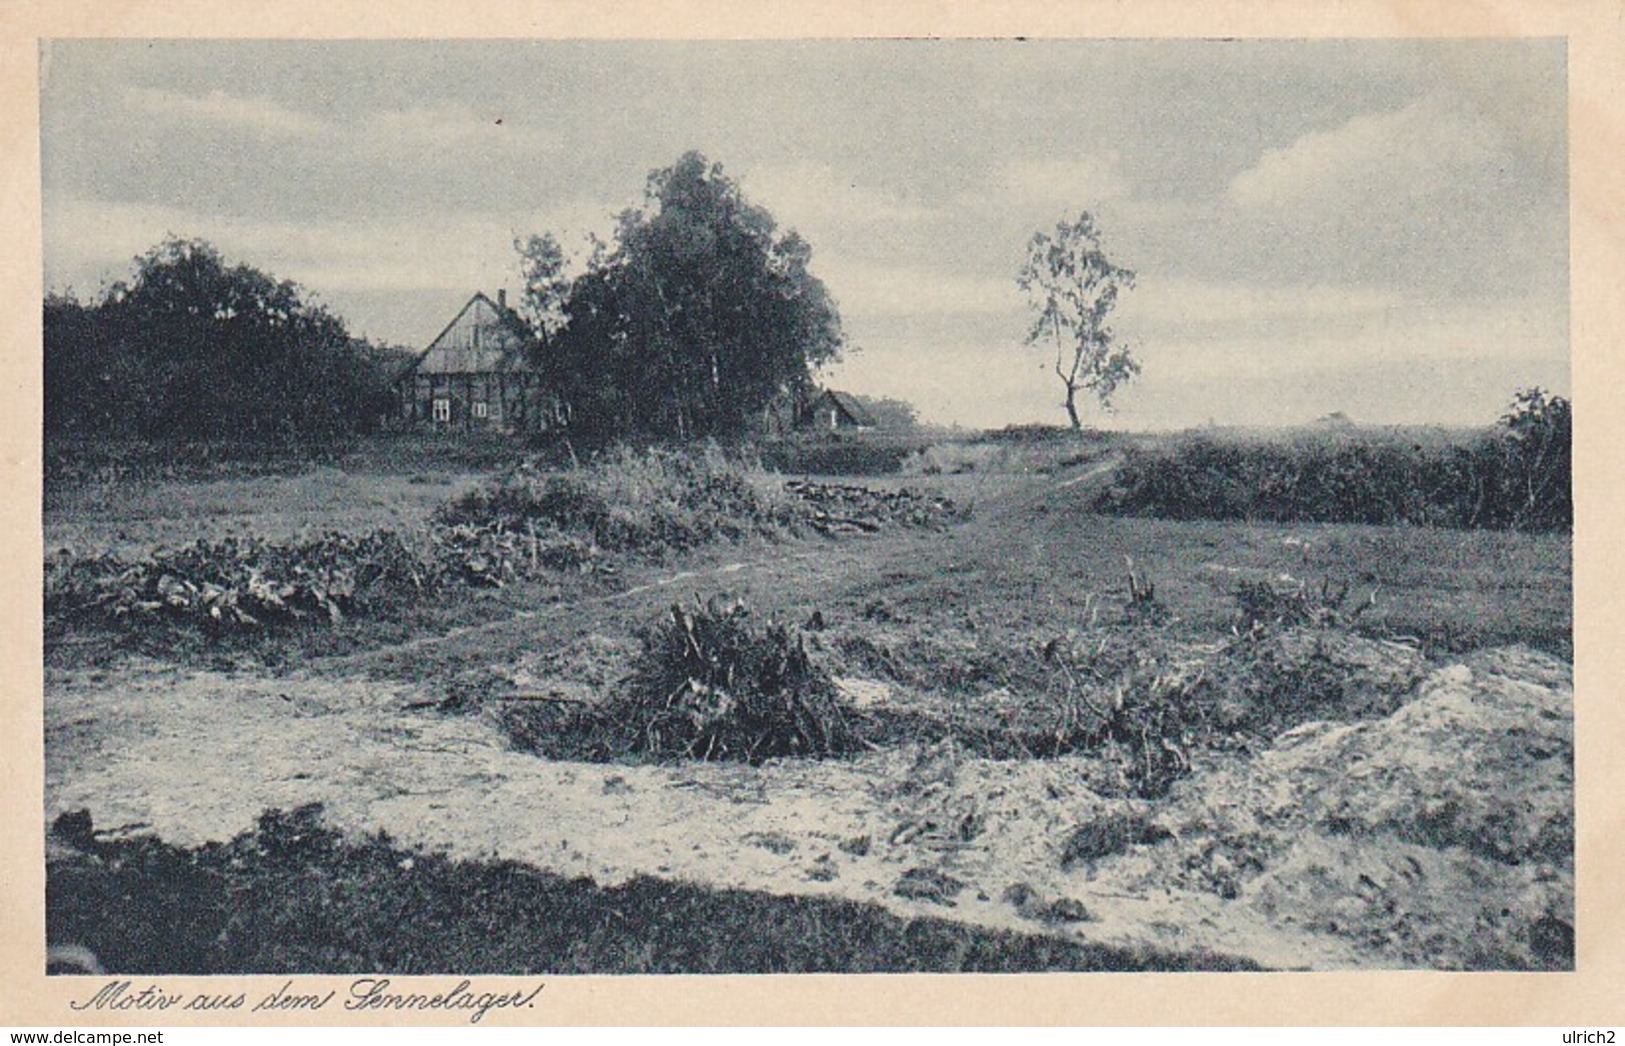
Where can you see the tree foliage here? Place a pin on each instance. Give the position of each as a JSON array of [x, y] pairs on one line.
[[1072, 287], [545, 288], [692, 321], [1539, 482], [889, 414], [192, 347]]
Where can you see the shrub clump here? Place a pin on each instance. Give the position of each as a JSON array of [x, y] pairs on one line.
[[1261, 605], [520, 526], [1514, 477], [841, 508], [833, 455], [707, 685], [647, 502]]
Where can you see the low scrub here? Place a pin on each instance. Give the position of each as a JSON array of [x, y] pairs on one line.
[[830, 455], [293, 896], [837, 508], [1136, 690], [1007, 451], [647, 502], [107, 463], [1515, 477], [242, 586], [1147, 704], [237, 585], [526, 524], [1263, 604], [708, 685]]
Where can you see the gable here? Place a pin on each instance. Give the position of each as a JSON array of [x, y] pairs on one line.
[[848, 409], [484, 338]]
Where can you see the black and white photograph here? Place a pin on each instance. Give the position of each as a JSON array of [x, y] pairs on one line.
[[852, 505]]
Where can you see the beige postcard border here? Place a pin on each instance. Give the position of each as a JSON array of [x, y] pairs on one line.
[[1595, 994]]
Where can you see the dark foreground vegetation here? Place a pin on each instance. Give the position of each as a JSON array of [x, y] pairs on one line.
[[292, 896], [1516, 477]]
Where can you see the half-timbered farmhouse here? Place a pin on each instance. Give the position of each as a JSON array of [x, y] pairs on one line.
[[476, 375]]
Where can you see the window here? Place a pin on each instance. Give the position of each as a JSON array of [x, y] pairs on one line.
[[482, 410], [442, 411]]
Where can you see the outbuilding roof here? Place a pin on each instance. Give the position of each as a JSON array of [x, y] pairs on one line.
[[848, 406]]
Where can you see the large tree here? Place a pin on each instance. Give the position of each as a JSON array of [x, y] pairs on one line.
[[696, 317], [1072, 287], [194, 347], [545, 287]]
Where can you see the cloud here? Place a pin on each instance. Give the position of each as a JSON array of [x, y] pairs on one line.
[[432, 135], [825, 204], [867, 289], [451, 133], [1165, 302], [1082, 182], [218, 109], [1408, 153]]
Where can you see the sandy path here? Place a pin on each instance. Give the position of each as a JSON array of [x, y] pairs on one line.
[[196, 756]]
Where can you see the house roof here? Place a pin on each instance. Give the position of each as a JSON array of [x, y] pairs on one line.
[[854, 410], [483, 338]]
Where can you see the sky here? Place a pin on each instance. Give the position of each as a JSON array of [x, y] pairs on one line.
[[1374, 227]]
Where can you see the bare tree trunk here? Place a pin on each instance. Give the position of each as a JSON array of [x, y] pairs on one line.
[[1072, 407]]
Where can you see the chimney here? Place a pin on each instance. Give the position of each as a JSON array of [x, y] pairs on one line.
[[502, 297]]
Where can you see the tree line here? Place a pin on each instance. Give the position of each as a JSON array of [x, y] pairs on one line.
[[700, 316], [195, 348]]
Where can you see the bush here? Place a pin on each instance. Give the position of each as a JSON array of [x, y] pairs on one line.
[[835, 455], [1261, 604], [1516, 476], [708, 686], [1037, 432], [1001, 452], [648, 502], [525, 524], [1147, 702], [1538, 491], [291, 895], [954, 459]]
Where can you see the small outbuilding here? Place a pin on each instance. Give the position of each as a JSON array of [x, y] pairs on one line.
[[832, 411]]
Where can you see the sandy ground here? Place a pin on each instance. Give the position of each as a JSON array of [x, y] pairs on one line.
[[197, 756]]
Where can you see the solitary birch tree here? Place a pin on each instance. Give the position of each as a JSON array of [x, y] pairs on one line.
[[1072, 288]]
